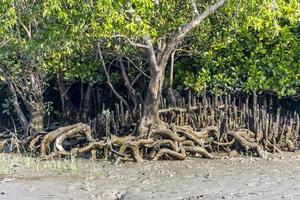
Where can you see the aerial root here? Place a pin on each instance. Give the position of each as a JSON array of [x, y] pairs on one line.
[[168, 134], [246, 140], [223, 144], [290, 146], [200, 150], [163, 142], [171, 153], [61, 134]]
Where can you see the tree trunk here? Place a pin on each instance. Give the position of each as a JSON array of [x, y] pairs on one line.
[[86, 103], [158, 60], [127, 83], [37, 115], [172, 68], [15, 102], [151, 105], [67, 107]]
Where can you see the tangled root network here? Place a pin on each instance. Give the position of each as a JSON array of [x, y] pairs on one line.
[[166, 141]]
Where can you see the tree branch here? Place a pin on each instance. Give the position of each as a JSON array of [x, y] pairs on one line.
[[136, 78], [139, 69], [4, 43], [24, 122], [131, 42], [151, 55], [108, 78], [196, 11], [183, 31], [25, 28], [125, 77], [193, 24]]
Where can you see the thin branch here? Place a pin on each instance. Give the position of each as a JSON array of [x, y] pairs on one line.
[[125, 77], [108, 78], [196, 11], [14, 100], [136, 79], [149, 46], [139, 69], [131, 42], [4, 43], [25, 28], [172, 67], [64, 85], [193, 24], [183, 31]]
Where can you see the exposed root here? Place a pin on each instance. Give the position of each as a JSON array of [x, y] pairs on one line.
[[224, 144], [246, 143], [211, 131], [167, 143], [61, 134], [190, 134], [290, 146], [199, 150], [120, 140], [134, 147], [88, 148], [162, 142], [188, 143], [33, 142], [169, 152], [50, 137], [168, 134]]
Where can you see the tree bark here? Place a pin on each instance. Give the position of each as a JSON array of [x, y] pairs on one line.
[[151, 105], [158, 60], [67, 107], [127, 83], [86, 103], [172, 68], [108, 77], [37, 116], [14, 99]]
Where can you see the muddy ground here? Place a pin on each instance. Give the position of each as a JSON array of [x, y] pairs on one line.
[[276, 177]]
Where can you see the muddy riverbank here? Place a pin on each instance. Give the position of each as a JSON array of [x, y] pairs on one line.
[[276, 177]]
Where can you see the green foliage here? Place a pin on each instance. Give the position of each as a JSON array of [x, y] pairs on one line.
[[251, 46], [259, 50], [20, 38]]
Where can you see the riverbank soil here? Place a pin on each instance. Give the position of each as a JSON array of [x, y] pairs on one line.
[[247, 178]]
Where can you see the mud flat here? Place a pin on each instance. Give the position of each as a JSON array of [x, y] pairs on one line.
[[276, 177]]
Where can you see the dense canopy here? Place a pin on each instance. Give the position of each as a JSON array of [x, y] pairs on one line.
[[117, 64]]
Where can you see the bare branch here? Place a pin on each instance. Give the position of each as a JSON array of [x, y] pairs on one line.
[[125, 77], [193, 24], [183, 31], [139, 69], [172, 67], [136, 78], [196, 11], [131, 42], [151, 55], [149, 46], [108, 78], [14, 99], [4, 43], [26, 29]]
